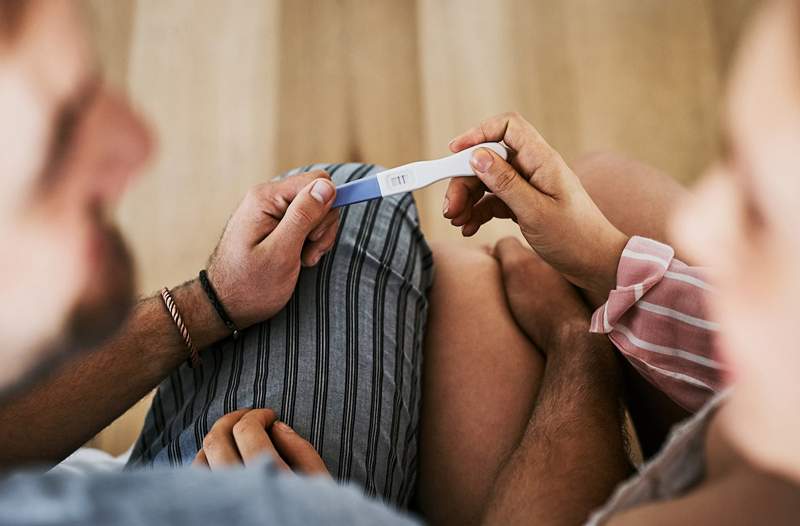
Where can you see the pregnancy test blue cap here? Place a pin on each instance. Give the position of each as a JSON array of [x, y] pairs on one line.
[[357, 191]]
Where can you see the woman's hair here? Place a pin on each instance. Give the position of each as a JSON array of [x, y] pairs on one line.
[[12, 18]]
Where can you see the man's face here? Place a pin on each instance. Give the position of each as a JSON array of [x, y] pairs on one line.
[[68, 149], [745, 222]]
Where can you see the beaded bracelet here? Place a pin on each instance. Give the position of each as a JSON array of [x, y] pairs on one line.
[[214, 299], [172, 309]]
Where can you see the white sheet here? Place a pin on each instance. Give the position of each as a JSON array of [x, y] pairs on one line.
[[91, 460]]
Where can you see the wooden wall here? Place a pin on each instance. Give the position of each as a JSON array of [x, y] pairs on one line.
[[239, 91]]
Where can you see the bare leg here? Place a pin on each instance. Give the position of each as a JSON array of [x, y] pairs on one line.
[[481, 374], [638, 200], [635, 197], [480, 379]]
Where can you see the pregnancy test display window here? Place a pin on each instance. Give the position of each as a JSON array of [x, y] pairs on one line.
[[399, 180], [395, 182]]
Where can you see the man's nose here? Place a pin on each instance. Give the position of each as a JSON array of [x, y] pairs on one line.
[[123, 142]]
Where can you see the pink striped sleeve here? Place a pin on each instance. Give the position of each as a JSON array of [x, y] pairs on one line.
[[657, 318]]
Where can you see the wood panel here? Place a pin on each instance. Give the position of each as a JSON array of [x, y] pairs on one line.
[[641, 77], [348, 83], [111, 26], [467, 75], [240, 91], [204, 73]]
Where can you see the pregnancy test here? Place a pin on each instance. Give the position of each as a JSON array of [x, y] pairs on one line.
[[412, 176]]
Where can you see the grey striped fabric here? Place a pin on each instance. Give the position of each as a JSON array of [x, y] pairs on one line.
[[340, 363]]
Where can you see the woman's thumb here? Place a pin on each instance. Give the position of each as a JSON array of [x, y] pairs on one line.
[[503, 180]]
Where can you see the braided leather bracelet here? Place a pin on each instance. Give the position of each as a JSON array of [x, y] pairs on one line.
[[212, 297], [172, 309]]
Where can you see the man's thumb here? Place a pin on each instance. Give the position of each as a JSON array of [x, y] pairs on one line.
[[503, 180], [305, 213]]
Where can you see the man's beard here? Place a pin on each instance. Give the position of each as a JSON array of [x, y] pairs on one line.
[[97, 315]]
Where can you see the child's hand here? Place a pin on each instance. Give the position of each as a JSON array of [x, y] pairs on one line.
[[541, 193]]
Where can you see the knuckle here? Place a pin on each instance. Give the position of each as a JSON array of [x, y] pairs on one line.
[[251, 195], [327, 243], [301, 218], [218, 425], [506, 241], [547, 155], [463, 186], [211, 441], [270, 413], [242, 426], [223, 423], [298, 179], [505, 180], [255, 417], [258, 192], [305, 444], [319, 172], [513, 257]]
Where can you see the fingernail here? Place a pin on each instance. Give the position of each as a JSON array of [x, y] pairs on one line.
[[450, 144], [322, 191], [316, 259], [482, 160], [445, 206], [282, 427]]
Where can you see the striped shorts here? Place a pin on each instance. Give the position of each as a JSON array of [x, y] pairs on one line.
[[340, 363]]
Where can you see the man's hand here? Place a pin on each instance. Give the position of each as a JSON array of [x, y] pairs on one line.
[[545, 306], [277, 227], [246, 435], [541, 193], [254, 270]]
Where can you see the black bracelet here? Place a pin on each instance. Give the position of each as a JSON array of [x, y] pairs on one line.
[[212, 297]]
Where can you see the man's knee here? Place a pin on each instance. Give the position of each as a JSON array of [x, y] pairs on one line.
[[457, 255], [457, 264]]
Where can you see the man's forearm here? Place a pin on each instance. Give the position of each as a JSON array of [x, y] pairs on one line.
[[88, 392], [572, 454]]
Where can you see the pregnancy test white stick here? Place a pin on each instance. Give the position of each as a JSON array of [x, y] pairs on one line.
[[412, 176]]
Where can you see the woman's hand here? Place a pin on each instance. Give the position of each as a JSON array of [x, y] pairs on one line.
[[277, 227], [243, 436], [541, 193]]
